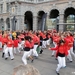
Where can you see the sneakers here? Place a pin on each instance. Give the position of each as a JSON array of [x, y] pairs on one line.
[[12, 59], [71, 61], [6, 58], [52, 55], [32, 60]]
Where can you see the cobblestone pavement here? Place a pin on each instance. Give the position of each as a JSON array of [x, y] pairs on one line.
[[45, 64]]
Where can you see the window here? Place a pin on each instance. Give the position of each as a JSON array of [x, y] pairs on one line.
[[1, 8], [7, 7]]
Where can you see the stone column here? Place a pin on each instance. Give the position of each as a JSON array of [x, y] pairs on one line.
[[47, 18], [22, 22], [5, 25], [4, 6], [34, 22], [61, 21]]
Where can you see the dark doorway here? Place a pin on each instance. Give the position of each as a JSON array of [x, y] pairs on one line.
[[40, 15], [69, 19], [54, 18], [8, 23], [28, 20]]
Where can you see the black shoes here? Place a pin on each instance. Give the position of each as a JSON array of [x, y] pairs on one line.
[[52, 56], [57, 73], [32, 60], [71, 61], [6, 58], [41, 51], [3, 55], [8, 53]]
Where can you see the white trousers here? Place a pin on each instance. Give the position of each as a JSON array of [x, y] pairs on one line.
[[61, 63], [71, 50], [53, 52], [34, 51], [48, 42], [4, 47], [44, 43], [70, 53], [20, 46], [16, 49], [0, 44], [31, 51], [24, 57], [10, 50]]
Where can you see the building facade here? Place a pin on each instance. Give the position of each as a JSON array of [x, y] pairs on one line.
[[27, 14]]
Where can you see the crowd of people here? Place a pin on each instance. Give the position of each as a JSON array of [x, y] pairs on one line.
[[29, 41]]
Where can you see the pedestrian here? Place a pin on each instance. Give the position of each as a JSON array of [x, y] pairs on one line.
[[16, 45], [61, 52], [27, 47], [9, 48]]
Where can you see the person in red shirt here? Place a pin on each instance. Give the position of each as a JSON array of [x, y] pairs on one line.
[[4, 43], [36, 41], [44, 42], [55, 41], [61, 52], [27, 47], [70, 46], [9, 48], [16, 41]]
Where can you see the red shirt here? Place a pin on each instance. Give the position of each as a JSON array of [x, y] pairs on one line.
[[61, 49], [27, 44], [70, 41], [56, 39], [10, 43], [44, 36], [4, 40], [32, 44], [36, 39], [16, 43], [0, 37]]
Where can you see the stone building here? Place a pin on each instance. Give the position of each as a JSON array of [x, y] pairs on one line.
[[27, 14]]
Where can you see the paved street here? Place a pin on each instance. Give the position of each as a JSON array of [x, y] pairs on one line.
[[45, 64]]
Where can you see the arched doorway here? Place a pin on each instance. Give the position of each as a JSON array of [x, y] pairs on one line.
[[28, 20], [69, 19], [40, 15], [8, 23], [54, 19], [1, 24]]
